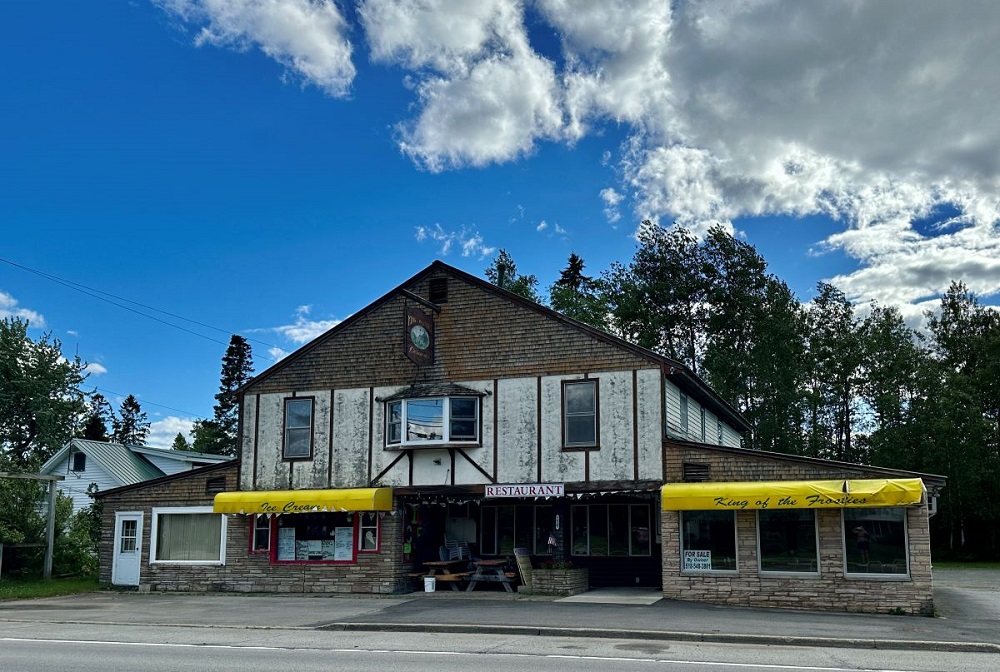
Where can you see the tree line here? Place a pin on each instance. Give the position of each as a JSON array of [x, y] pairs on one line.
[[43, 406], [827, 379]]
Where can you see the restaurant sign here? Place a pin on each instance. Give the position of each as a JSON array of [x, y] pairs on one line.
[[525, 490]]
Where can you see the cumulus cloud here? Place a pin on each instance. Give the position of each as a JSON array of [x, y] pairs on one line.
[[307, 37], [875, 113], [469, 242], [9, 309], [163, 432], [95, 368], [302, 330]]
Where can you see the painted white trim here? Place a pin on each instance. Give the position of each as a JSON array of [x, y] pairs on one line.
[[116, 541]]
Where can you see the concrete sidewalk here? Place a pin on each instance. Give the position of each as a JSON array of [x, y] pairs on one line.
[[969, 622]]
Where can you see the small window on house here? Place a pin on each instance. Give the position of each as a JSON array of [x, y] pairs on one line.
[[580, 414], [298, 428], [708, 541], [704, 431], [368, 532], [261, 540], [79, 461], [438, 290], [214, 486], [721, 433]]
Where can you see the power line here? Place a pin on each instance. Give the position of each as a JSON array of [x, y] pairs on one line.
[[104, 390], [102, 296]]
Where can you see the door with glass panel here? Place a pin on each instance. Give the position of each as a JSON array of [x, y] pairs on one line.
[[128, 549]]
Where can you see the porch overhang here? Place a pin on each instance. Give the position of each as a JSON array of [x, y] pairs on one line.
[[303, 501], [838, 494]]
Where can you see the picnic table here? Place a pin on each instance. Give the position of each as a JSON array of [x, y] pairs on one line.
[[444, 571], [490, 571]]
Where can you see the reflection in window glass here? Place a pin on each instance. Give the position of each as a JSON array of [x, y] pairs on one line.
[[298, 428], [610, 529], [543, 528], [464, 423], [618, 530], [787, 540], [580, 413], [708, 540], [581, 524], [640, 529], [368, 531], [425, 420], [875, 541]]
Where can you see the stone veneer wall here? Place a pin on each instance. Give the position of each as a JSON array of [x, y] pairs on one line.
[[832, 589], [381, 573], [560, 581]]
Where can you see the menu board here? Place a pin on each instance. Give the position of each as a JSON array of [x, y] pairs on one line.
[[286, 543], [344, 548]]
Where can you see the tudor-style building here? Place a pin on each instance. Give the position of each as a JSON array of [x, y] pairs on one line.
[[442, 387], [452, 413]]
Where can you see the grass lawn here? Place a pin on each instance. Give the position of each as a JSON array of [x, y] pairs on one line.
[[20, 589]]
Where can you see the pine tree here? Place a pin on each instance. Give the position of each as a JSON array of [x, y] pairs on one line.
[[131, 426], [99, 417], [218, 435], [503, 273], [180, 443], [578, 296]]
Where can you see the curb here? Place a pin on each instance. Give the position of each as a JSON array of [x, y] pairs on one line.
[[678, 636]]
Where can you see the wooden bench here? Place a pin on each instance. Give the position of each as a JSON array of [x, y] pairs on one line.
[[452, 579]]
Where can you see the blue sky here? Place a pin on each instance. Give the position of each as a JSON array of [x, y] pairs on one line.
[[268, 167]]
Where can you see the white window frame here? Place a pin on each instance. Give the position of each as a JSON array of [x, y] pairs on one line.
[[157, 511], [446, 419]]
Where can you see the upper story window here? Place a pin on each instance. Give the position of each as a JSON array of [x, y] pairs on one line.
[[298, 428], [432, 420], [79, 461], [580, 426]]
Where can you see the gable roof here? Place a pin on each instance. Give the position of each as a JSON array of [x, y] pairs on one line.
[[230, 463], [680, 374], [124, 462]]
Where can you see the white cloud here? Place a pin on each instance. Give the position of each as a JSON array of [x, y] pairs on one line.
[[872, 112], [307, 37], [469, 242], [303, 330], [163, 432], [542, 225], [95, 368], [611, 200], [10, 309]]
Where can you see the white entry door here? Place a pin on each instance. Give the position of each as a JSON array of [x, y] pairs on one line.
[[128, 548]]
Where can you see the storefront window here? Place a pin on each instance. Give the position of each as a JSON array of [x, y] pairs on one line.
[[787, 540], [316, 537], [875, 541], [610, 529], [505, 527], [708, 541]]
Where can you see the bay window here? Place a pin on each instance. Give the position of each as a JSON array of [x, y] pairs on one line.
[[432, 420]]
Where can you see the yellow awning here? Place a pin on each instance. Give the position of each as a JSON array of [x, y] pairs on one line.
[[735, 496], [304, 501]]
